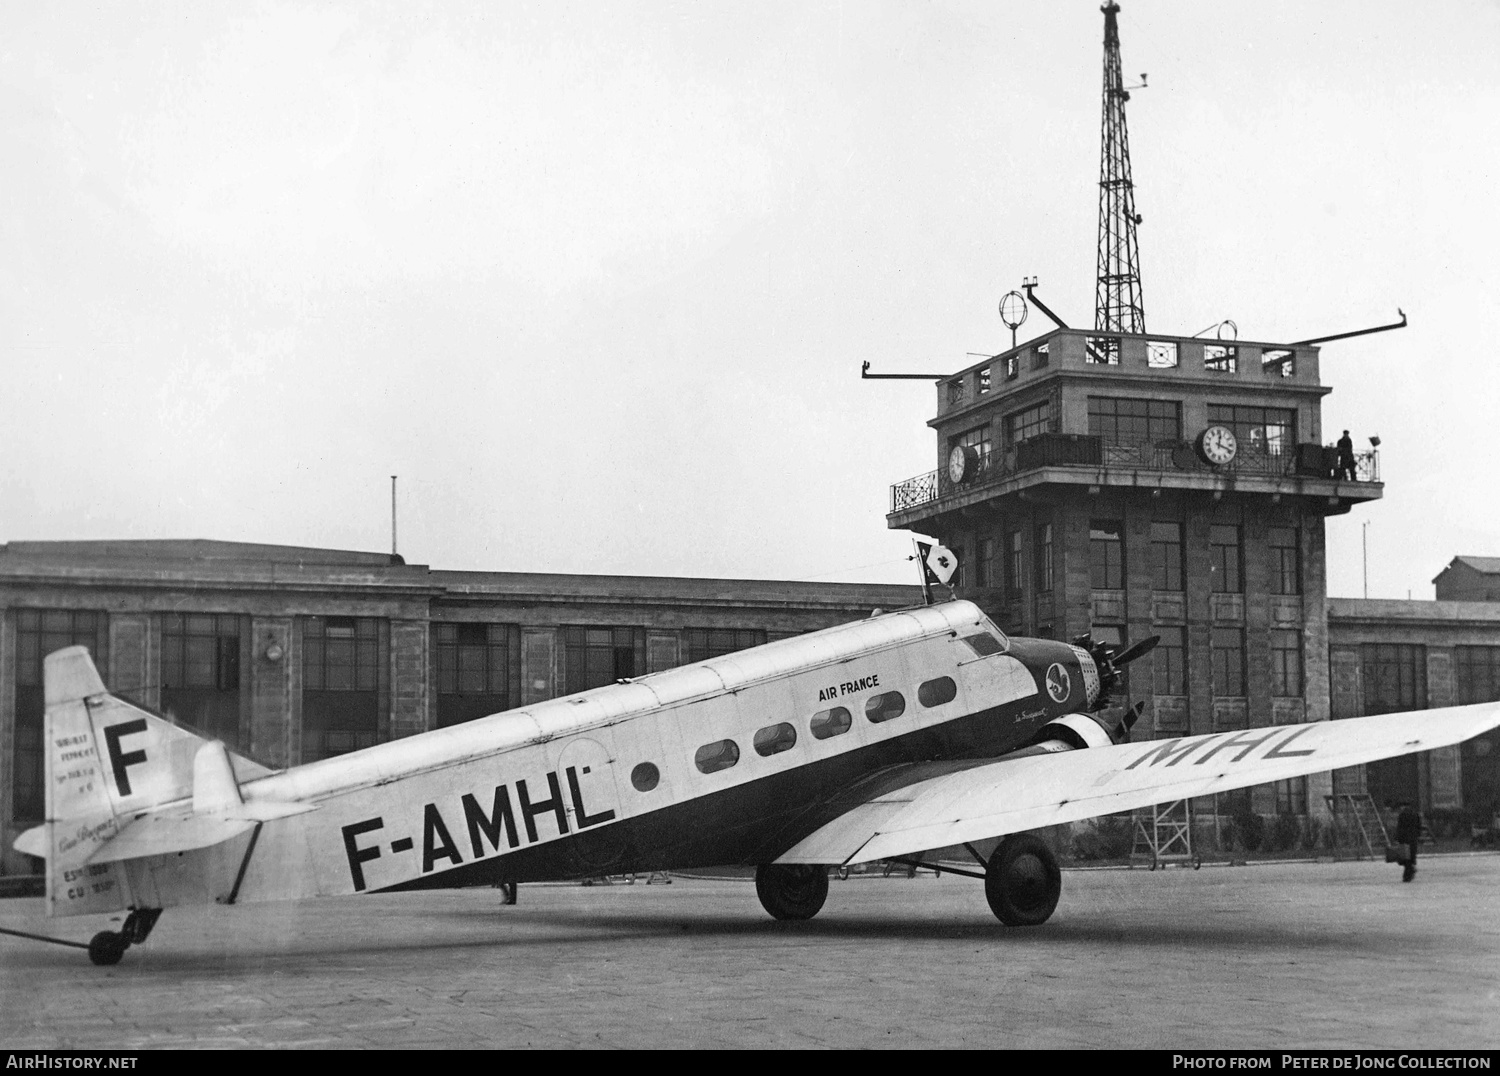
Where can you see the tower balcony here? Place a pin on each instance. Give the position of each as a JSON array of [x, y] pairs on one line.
[[1305, 470]]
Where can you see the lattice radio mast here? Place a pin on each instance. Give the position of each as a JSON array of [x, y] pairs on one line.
[[1117, 306]]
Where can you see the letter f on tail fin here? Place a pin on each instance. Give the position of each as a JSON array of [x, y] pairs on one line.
[[110, 765]]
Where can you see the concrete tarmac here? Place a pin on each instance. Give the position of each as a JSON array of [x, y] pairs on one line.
[[1323, 955]]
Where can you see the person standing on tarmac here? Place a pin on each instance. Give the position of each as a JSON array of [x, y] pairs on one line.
[[1409, 833]]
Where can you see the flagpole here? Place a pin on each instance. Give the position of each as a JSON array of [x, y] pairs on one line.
[[922, 572]]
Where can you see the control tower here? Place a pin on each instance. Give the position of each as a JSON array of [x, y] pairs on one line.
[[1127, 485]]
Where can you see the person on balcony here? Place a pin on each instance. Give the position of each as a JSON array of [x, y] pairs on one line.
[[1346, 457]]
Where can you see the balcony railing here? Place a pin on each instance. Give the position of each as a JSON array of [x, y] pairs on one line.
[[1095, 453]]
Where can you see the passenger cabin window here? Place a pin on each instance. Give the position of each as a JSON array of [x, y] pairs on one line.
[[984, 644], [826, 723], [716, 756], [936, 692], [774, 739], [885, 706], [645, 777]]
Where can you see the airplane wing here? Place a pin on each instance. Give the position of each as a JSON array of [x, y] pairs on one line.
[[972, 802]]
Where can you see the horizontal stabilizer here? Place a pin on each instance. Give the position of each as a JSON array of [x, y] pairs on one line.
[[33, 842], [182, 830]]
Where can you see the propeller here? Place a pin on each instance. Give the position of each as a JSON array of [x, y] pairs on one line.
[[1110, 663]]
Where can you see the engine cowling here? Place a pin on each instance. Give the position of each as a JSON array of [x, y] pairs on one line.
[[1076, 732]]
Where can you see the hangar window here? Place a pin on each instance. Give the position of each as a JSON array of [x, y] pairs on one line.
[[705, 643], [774, 739], [200, 672], [478, 670], [936, 692], [885, 706], [645, 777], [984, 644], [716, 756], [345, 684], [37, 633], [594, 657], [826, 723]]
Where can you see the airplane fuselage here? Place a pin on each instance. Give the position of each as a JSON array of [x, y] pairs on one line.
[[732, 760]]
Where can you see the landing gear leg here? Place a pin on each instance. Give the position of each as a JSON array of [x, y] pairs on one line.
[[791, 890], [107, 947], [1022, 881]]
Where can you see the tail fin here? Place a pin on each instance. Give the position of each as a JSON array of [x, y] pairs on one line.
[[107, 763]]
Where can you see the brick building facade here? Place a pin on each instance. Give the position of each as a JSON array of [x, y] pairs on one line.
[[291, 654]]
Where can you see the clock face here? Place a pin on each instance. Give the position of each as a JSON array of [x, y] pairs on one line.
[[1217, 445], [958, 463]]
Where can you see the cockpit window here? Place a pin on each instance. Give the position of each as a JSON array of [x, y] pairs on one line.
[[984, 644]]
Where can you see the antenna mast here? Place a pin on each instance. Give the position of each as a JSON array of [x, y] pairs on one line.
[[1117, 306]]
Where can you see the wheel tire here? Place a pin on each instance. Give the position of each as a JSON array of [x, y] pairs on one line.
[[107, 947], [1022, 881], [791, 890]]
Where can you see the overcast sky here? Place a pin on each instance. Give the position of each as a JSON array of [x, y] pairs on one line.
[[596, 280]]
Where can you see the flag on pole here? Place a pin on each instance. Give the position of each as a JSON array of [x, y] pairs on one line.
[[937, 563]]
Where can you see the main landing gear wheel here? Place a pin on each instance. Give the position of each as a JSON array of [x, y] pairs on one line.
[[1022, 881], [791, 890]]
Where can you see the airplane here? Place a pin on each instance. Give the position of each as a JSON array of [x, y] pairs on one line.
[[882, 739]]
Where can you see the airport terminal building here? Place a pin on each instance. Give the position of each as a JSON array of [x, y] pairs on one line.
[[291, 654]]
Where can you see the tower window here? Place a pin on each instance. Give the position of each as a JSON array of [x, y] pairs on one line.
[[1225, 560], [1106, 554], [1286, 574], [1161, 355], [1228, 652], [1166, 556], [1220, 358]]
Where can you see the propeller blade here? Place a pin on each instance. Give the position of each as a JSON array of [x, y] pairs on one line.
[[1140, 649]]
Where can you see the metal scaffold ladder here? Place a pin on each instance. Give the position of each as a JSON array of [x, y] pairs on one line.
[[1164, 834], [1356, 817]]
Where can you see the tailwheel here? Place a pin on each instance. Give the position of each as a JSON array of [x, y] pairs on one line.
[[791, 890], [107, 947], [1022, 881]]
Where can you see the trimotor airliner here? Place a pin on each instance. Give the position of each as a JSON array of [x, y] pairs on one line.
[[882, 739]]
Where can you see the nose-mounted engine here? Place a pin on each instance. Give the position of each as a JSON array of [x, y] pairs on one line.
[[1107, 721]]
